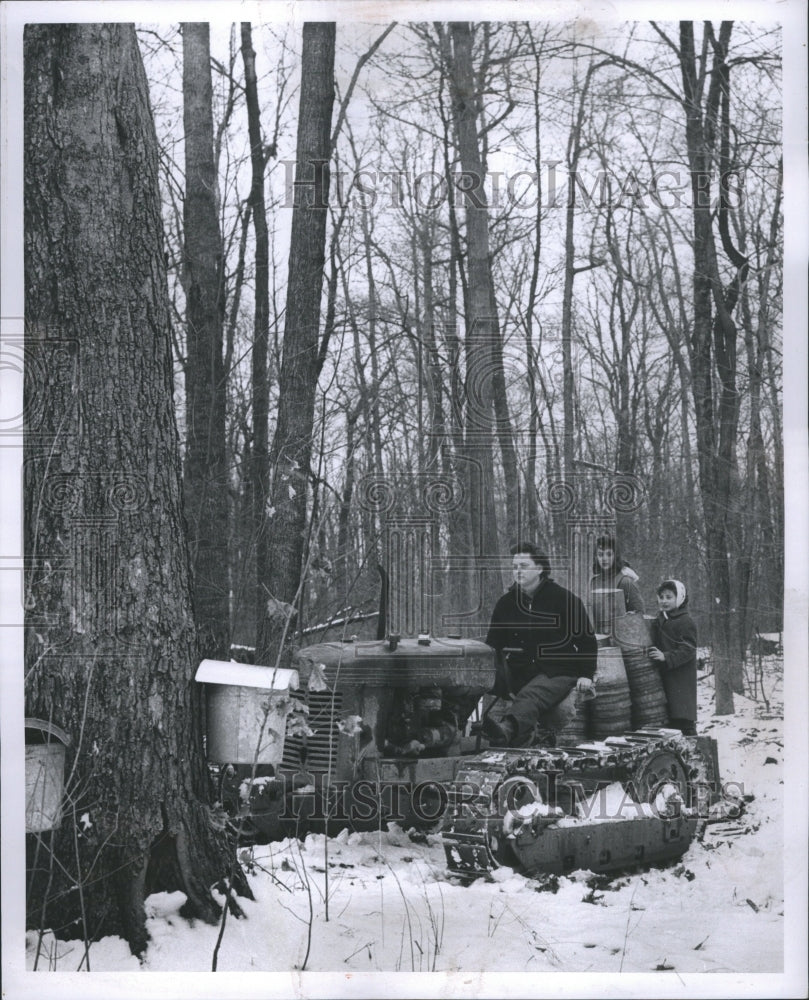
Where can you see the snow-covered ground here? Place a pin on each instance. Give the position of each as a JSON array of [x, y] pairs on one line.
[[380, 902]]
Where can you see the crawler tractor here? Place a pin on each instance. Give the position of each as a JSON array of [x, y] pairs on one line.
[[393, 733], [391, 736]]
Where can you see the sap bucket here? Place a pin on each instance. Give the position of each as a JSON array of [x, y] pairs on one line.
[[45, 746], [247, 708], [610, 711], [632, 634], [606, 606]]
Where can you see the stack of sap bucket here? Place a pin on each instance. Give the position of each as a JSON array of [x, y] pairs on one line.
[[629, 691]]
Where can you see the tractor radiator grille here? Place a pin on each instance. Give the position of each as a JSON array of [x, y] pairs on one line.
[[317, 752]]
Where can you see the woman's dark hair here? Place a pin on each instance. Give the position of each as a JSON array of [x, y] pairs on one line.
[[539, 558], [608, 542]]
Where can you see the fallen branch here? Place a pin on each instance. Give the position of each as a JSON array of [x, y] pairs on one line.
[[366, 945]]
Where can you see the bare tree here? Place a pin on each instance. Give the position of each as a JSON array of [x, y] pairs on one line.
[[111, 649], [481, 322], [714, 336], [260, 383], [279, 565]]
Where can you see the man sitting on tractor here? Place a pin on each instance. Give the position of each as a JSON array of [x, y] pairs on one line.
[[545, 645]]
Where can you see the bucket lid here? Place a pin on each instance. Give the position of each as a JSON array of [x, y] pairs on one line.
[[50, 728], [246, 675]]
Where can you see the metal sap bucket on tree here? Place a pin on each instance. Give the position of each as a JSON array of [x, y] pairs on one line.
[[632, 634], [246, 710], [45, 746]]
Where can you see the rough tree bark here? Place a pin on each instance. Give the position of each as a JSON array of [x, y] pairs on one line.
[[205, 469], [110, 652], [279, 575]]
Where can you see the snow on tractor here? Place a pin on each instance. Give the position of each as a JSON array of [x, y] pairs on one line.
[[362, 733]]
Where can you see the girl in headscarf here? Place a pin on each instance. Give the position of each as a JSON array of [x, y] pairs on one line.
[[612, 572], [675, 651]]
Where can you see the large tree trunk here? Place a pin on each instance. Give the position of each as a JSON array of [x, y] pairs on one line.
[[110, 636], [291, 449], [205, 470]]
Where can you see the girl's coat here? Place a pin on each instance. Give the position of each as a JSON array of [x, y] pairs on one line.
[[675, 635]]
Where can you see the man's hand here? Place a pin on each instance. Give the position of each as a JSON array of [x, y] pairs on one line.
[[656, 654], [585, 686]]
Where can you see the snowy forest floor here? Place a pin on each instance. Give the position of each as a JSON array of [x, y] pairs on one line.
[[391, 906]]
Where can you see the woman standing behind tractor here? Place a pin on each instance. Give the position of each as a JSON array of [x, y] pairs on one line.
[[612, 572]]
